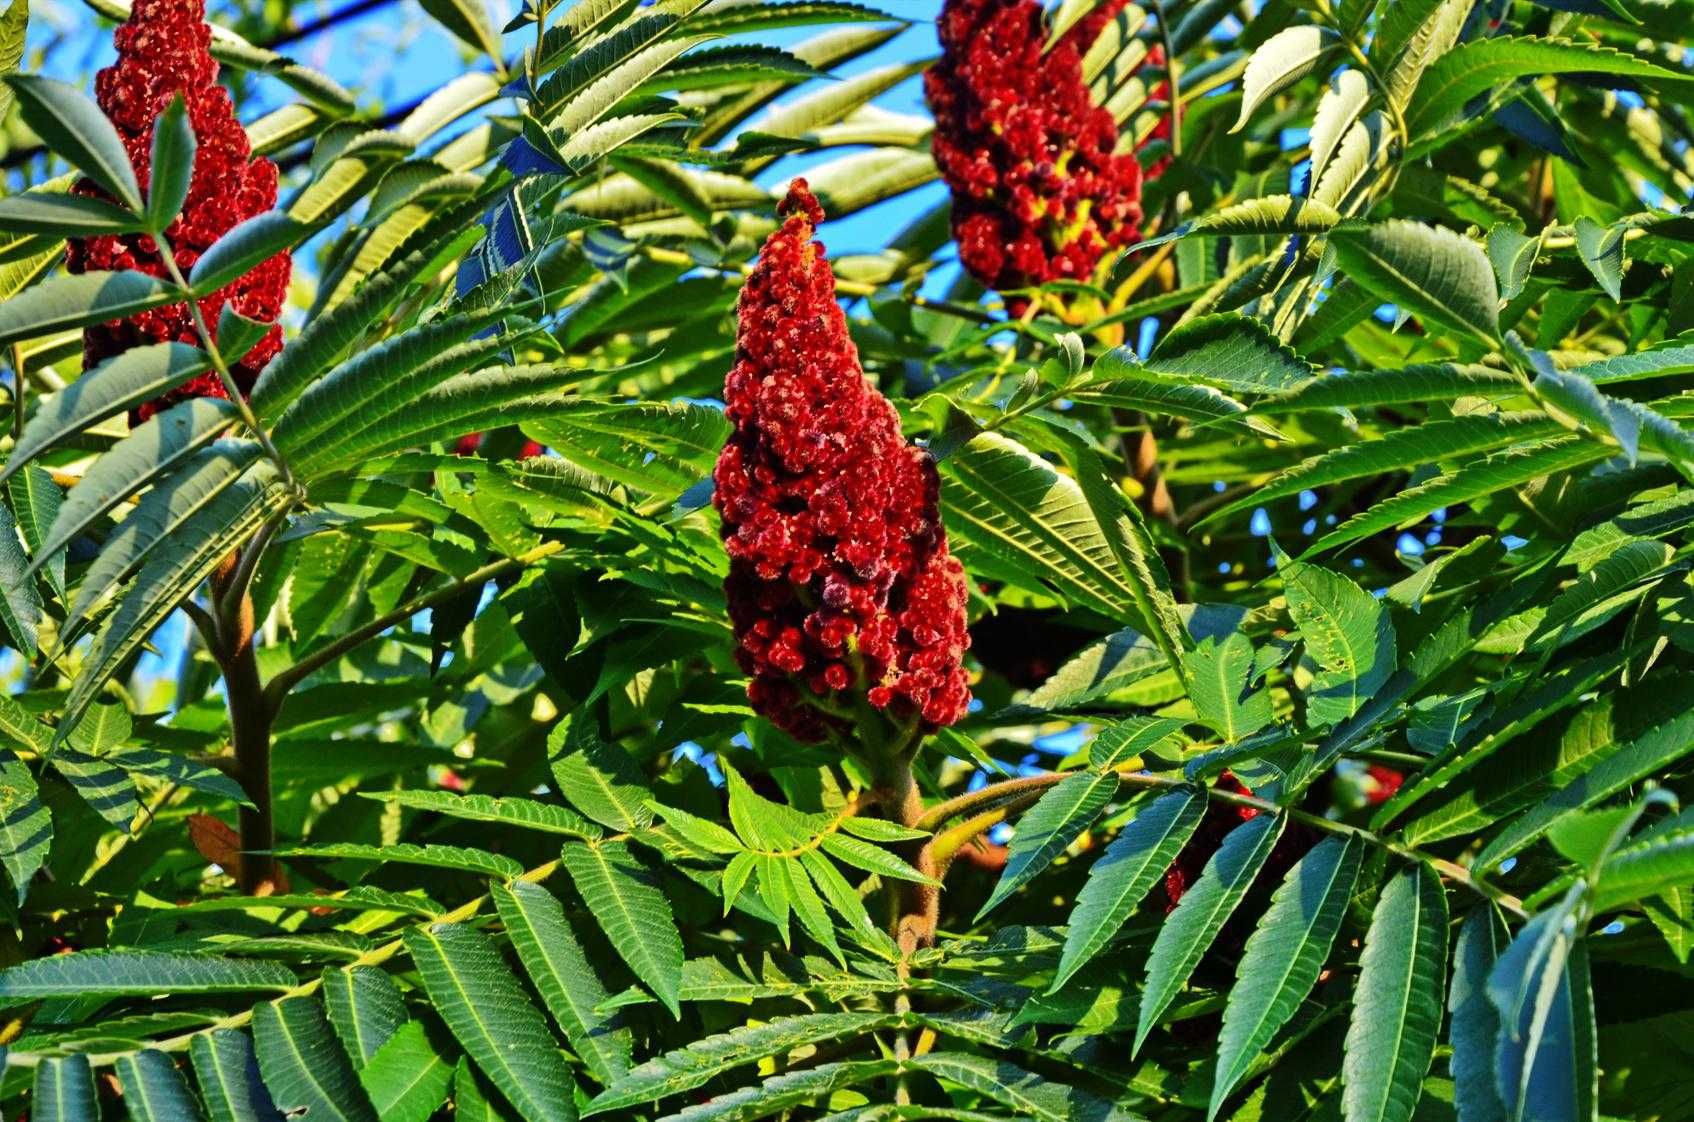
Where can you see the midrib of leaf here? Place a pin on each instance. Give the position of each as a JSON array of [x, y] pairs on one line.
[[1086, 794], [595, 1030], [640, 949], [17, 723], [223, 1085], [1077, 952], [833, 826], [1403, 1004], [1413, 932], [686, 1068], [1172, 964], [1463, 485], [1231, 698], [360, 1025], [1345, 863], [1383, 263], [417, 1079], [1053, 537], [610, 793], [465, 998], [523, 1019], [299, 1056], [1503, 69]]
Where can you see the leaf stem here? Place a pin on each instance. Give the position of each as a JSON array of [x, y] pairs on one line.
[[915, 908], [242, 578], [1171, 80], [250, 719], [1002, 797], [993, 794], [376, 956], [220, 365], [277, 689], [948, 844], [205, 624]]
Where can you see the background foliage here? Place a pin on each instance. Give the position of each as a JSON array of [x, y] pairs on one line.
[[1366, 478]]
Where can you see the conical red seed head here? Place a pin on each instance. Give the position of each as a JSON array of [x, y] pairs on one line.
[[163, 53], [1040, 191], [840, 579]]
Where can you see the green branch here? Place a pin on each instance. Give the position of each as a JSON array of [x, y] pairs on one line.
[[277, 688], [999, 799]]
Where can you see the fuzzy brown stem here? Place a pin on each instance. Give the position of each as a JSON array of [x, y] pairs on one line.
[[1156, 497], [916, 907], [250, 717], [250, 724]]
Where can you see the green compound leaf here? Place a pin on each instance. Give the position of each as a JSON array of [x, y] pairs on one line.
[[562, 974], [303, 1065], [1189, 930], [1397, 1008], [1124, 874], [687, 1068], [488, 1012], [1049, 827], [625, 897], [1284, 956]]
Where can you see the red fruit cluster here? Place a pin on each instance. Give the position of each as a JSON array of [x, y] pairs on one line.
[[839, 579], [163, 51], [471, 443], [1039, 192], [1219, 820], [1381, 783]]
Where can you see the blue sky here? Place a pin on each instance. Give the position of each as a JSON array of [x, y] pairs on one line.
[[396, 54]]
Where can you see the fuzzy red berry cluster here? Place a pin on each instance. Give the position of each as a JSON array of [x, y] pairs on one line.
[[163, 51], [840, 580], [1216, 824], [1039, 191], [1382, 783], [471, 443]]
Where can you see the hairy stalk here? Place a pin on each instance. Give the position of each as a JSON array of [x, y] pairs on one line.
[[992, 795], [254, 703], [913, 908], [916, 906], [250, 731], [205, 624], [210, 345], [228, 630], [957, 839], [250, 718], [242, 578]]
